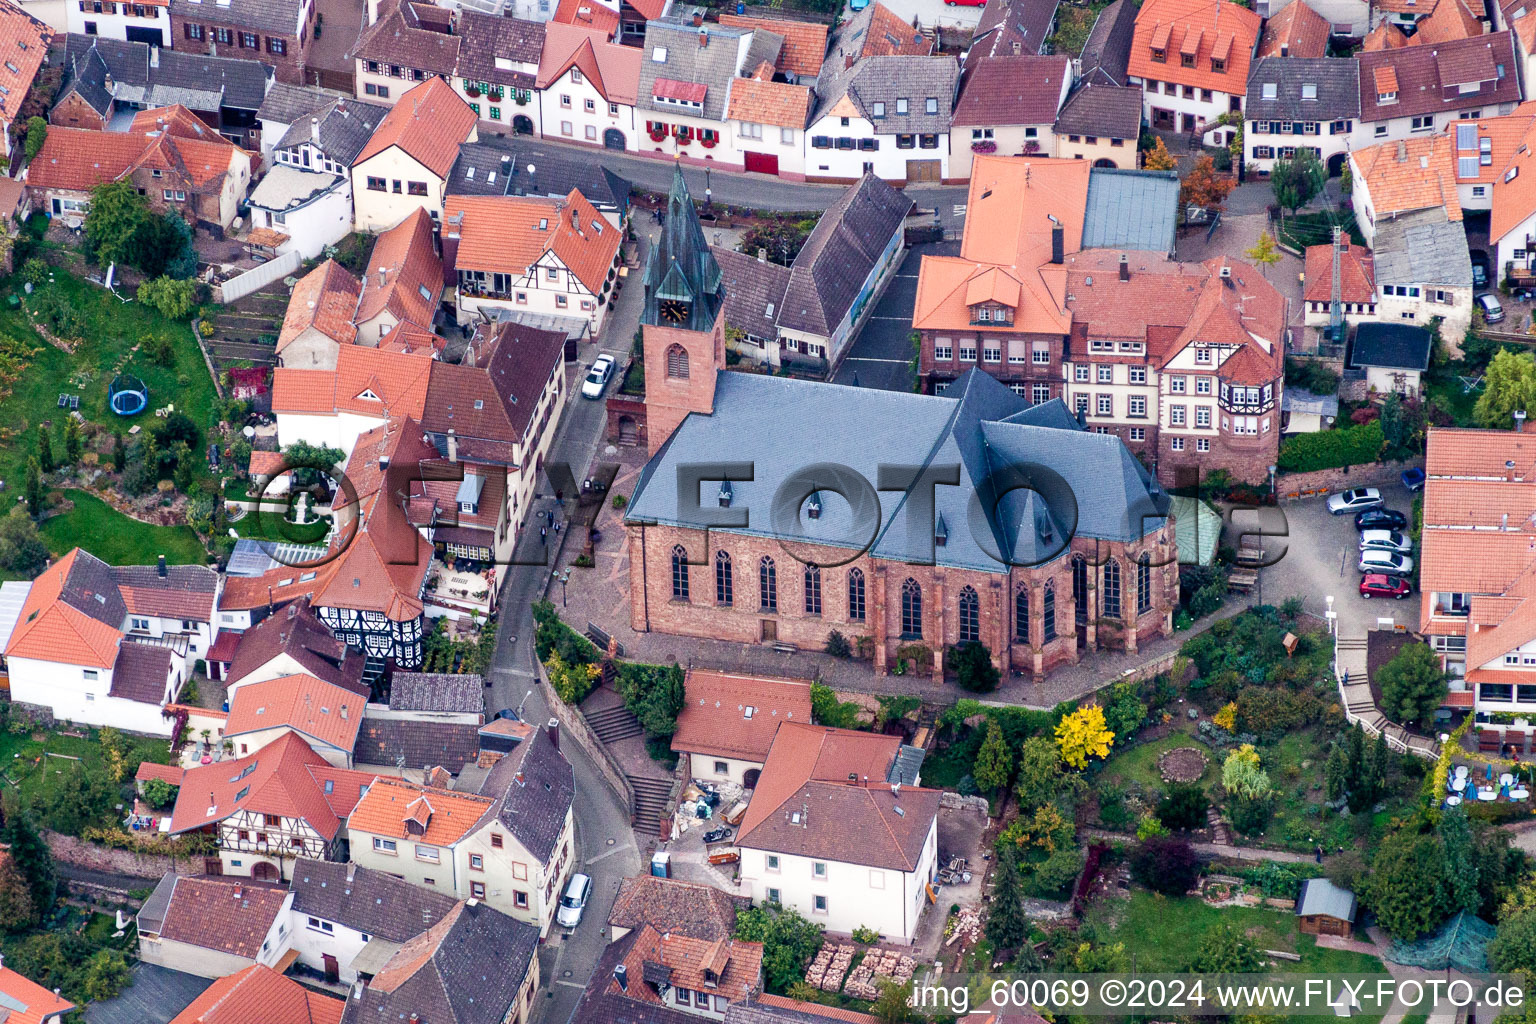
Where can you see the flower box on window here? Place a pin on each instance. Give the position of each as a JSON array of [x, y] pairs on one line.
[[708, 142], [984, 146], [1031, 147], [472, 92]]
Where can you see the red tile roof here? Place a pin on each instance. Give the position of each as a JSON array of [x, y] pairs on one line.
[[1427, 79], [23, 48], [325, 299], [1357, 274], [1013, 89], [733, 968], [1297, 31], [1410, 174], [428, 123], [79, 159], [404, 274], [816, 1009], [508, 234], [37, 1003], [442, 818], [51, 629], [805, 42], [311, 707], [715, 719], [259, 995], [285, 777], [613, 69], [1202, 30], [805, 803], [587, 14], [230, 915]]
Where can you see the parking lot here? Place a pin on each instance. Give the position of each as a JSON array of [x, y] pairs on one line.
[[1318, 557]]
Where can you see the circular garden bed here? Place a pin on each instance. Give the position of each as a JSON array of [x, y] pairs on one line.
[[1182, 764]]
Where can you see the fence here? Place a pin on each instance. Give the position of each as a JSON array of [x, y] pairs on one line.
[[257, 278]]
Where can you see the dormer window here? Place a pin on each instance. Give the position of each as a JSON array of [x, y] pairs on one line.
[[878, 111], [1309, 91], [931, 105], [725, 494], [1219, 66], [1386, 97], [1159, 55], [901, 105], [1270, 90], [1187, 60]]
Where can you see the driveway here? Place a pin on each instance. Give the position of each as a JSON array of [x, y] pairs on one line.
[[1317, 559], [934, 12], [881, 355], [156, 996]]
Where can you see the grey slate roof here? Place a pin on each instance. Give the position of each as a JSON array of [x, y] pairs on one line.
[[535, 808], [373, 902], [1102, 109], [1130, 209], [437, 691], [1320, 896], [1422, 247], [686, 61], [467, 970], [286, 103], [907, 765], [978, 426], [345, 127], [151, 915], [886, 79], [140, 672], [1108, 49], [501, 163], [1335, 79], [486, 37], [754, 291], [277, 17], [383, 741], [840, 253], [157, 76], [86, 74], [1394, 346]]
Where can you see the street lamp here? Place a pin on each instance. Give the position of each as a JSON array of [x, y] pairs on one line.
[[708, 194], [1272, 470]]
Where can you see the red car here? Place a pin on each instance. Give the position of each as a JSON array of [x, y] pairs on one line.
[[965, 3], [1375, 584]]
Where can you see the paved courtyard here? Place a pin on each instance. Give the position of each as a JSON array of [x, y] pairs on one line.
[[881, 354]]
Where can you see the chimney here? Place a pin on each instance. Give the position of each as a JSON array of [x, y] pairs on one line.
[[762, 254], [314, 130], [1504, 521], [1519, 421], [160, 567], [357, 989], [453, 446], [552, 730], [621, 975], [108, 82], [154, 56], [383, 276], [351, 872], [698, 17], [1509, 471], [1058, 240], [1402, 151], [238, 891], [853, 778], [1125, 267], [703, 38], [1017, 48]]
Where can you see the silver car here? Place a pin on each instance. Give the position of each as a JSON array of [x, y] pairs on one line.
[[574, 901], [1353, 500], [1385, 540], [1388, 563]]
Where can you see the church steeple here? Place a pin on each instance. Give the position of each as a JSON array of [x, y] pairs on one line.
[[683, 288]]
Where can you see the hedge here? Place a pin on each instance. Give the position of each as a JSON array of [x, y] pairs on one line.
[[1329, 449]]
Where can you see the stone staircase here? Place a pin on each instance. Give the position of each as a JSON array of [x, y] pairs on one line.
[[613, 723], [651, 797], [1221, 835]]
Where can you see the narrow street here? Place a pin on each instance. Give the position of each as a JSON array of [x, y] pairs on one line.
[[605, 843]]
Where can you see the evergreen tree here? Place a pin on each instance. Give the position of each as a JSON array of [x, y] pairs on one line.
[[1406, 885], [1412, 684], [1040, 773], [994, 761], [45, 460], [1007, 927], [32, 858], [17, 911], [72, 443], [1380, 760], [1461, 861], [35, 493], [186, 466], [119, 451], [1336, 773]]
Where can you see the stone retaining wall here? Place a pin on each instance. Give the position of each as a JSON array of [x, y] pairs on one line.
[[152, 867], [1323, 481], [572, 724]]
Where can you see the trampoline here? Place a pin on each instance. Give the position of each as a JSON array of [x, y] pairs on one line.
[[127, 395]]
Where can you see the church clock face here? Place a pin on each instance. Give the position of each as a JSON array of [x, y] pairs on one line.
[[673, 310]]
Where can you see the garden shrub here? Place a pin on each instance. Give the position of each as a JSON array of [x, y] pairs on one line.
[[973, 667], [1329, 449], [1166, 865], [1183, 806], [826, 709]]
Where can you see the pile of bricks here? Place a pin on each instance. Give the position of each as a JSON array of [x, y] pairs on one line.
[[878, 967], [818, 968], [967, 928]]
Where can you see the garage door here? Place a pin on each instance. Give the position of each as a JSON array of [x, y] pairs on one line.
[[763, 163], [923, 170]]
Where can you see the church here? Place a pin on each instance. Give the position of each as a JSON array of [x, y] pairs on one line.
[[775, 510]]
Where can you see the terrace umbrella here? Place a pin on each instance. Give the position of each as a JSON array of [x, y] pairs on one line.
[[1490, 771]]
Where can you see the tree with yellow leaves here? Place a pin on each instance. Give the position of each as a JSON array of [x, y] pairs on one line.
[[1227, 716], [1158, 158], [1082, 735]]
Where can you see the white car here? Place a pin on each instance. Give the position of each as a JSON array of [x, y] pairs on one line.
[[1385, 540], [597, 377], [577, 891], [1353, 501], [1388, 563]]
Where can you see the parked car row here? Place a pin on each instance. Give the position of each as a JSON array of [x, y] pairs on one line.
[[1385, 550]]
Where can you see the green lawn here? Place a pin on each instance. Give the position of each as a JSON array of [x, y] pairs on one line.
[[25, 766], [36, 373], [270, 525], [1316, 228], [117, 539], [1139, 764], [1163, 934], [1449, 392]]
